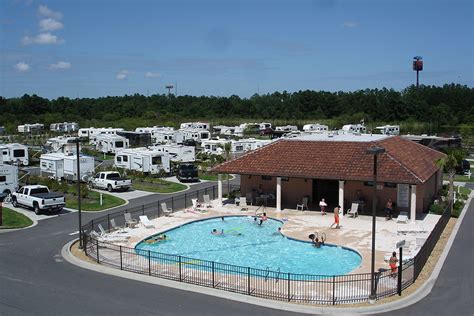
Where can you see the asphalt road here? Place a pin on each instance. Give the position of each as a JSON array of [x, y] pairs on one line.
[[35, 280]]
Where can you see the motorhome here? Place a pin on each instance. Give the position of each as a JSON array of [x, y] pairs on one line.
[[389, 129], [91, 132], [197, 135], [15, 154], [144, 160], [62, 166], [354, 128], [315, 128], [286, 128], [178, 153], [8, 178], [195, 125], [229, 130], [61, 144], [109, 143], [66, 127], [30, 128]]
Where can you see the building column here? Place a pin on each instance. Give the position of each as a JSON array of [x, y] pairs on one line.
[[219, 189], [278, 195], [413, 204], [341, 194]]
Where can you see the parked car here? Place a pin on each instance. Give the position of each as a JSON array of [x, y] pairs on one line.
[[110, 181], [187, 172], [39, 198], [463, 167]]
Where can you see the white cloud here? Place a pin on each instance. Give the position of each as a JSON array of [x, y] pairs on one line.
[[122, 74], [47, 12], [60, 65], [42, 39], [22, 67], [350, 24], [50, 24], [150, 74]]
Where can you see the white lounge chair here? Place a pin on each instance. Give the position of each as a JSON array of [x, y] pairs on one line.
[[207, 200], [117, 228], [166, 210], [109, 237], [129, 221], [402, 217], [146, 222], [303, 204], [354, 211], [243, 204]]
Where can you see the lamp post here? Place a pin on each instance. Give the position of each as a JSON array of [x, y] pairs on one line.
[[375, 151], [78, 141]]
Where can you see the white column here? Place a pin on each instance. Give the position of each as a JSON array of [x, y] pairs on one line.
[[278, 193], [219, 189], [341, 194], [413, 204]]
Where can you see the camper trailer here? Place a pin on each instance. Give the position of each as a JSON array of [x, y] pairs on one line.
[[61, 166], [229, 131], [65, 127], [286, 128], [91, 132], [389, 129], [195, 125], [315, 128], [244, 145], [109, 143], [136, 139], [168, 137], [144, 160], [178, 153], [30, 128], [8, 178], [61, 144], [198, 135], [214, 146], [15, 154], [354, 128]]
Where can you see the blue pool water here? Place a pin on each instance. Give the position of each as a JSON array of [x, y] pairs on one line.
[[244, 243]]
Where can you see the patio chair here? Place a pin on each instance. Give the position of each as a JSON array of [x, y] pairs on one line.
[[354, 210], [249, 197], [402, 217], [303, 204], [108, 237], [243, 204], [102, 230], [117, 228], [166, 210], [207, 200], [146, 222], [129, 221]]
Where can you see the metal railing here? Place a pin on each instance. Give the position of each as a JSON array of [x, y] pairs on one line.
[[263, 283]]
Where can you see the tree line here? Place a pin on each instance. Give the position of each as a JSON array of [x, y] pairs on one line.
[[450, 105]]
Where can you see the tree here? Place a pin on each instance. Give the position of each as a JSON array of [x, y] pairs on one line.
[[449, 163]]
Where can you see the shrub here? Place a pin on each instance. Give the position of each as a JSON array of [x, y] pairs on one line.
[[457, 208], [437, 208]]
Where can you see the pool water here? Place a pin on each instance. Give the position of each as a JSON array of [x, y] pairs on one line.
[[245, 243]]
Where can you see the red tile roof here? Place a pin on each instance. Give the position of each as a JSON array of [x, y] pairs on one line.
[[403, 162]]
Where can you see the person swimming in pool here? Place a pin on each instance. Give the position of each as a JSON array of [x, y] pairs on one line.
[[216, 232]]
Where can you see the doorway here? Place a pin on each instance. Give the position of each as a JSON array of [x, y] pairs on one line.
[[327, 189]]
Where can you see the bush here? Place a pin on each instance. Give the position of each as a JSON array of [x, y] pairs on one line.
[[437, 208], [457, 208]]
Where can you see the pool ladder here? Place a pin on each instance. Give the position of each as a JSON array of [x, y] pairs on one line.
[[267, 274]]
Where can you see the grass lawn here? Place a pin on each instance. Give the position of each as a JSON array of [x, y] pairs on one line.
[[211, 176], [12, 219], [157, 185], [92, 202], [459, 178]]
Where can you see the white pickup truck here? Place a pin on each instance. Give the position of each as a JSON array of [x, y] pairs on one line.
[[38, 198], [111, 181]]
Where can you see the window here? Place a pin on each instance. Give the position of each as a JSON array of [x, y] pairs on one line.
[[266, 177], [369, 183], [3, 178], [390, 185], [119, 159], [125, 158], [44, 164], [119, 144], [5, 153], [102, 176], [285, 179], [239, 148], [18, 153], [156, 160]]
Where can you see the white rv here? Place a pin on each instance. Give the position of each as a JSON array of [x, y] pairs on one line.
[[214, 146], [91, 132], [61, 166], [244, 145], [168, 137], [262, 126], [195, 125], [178, 153], [65, 127], [107, 143], [315, 128], [144, 160], [8, 178], [354, 128], [14, 154], [197, 135], [389, 129], [61, 144], [229, 130], [286, 128], [30, 128]]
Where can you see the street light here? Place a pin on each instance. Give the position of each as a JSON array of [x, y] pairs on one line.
[[375, 151], [78, 141]]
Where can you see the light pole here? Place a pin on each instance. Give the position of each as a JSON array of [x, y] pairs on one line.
[[375, 151], [78, 141]]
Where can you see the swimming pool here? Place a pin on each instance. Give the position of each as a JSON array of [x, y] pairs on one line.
[[244, 243]]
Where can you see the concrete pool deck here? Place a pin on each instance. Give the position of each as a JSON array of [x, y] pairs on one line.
[[354, 233]]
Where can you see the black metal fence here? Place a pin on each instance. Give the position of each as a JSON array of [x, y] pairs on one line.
[[276, 285]]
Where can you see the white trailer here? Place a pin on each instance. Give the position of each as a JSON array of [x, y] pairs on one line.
[[197, 135], [167, 137], [15, 154], [262, 126], [389, 129], [65, 127], [88, 133], [229, 130], [8, 178], [30, 128], [286, 128], [195, 125], [315, 128], [144, 160], [61, 144], [110, 143], [244, 145], [214, 146], [354, 128], [178, 153], [61, 166]]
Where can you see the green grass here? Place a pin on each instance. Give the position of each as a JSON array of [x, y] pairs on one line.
[[92, 202], [464, 190], [98, 154], [12, 219], [459, 178], [157, 186], [212, 177]]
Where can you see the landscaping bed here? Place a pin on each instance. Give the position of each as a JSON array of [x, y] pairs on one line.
[[91, 202], [12, 219]]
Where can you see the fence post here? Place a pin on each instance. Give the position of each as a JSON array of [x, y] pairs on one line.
[[143, 209], [289, 295], [84, 242], [185, 196], [400, 269], [333, 290], [158, 202], [172, 203], [149, 262], [180, 278], [121, 264], [108, 222], [213, 192], [97, 247], [248, 280], [213, 280]]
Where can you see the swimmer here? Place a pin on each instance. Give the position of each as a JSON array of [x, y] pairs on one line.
[[317, 243], [278, 232], [222, 218], [260, 222], [215, 232], [264, 217]]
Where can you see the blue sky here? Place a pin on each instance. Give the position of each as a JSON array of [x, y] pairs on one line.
[[97, 48]]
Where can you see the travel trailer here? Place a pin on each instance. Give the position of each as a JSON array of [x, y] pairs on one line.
[[30, 128], [195, 125], [286, 128], [354, 128], [144, 160], [14, 154], [136, 139], [244, 145], [389, 129], [62, 166], [263, 126], [177, 153], [229, 131], [8, 178], [61, 144], [91, 132], [197, 135], [167, 137], [65, 127], [214, 146], [315, 128], [109, 143]]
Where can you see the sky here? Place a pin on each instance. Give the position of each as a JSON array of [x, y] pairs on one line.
[[95, 48]]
